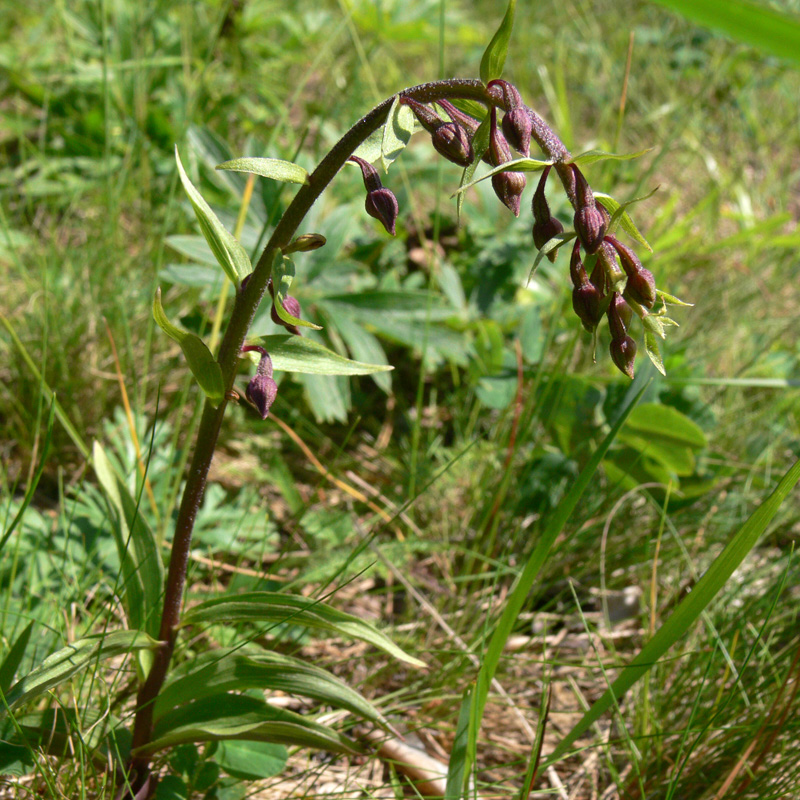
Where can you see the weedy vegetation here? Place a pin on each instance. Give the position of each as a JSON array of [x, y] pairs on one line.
[[304, 463]]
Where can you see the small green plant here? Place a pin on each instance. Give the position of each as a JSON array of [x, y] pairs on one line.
[[201, 700]]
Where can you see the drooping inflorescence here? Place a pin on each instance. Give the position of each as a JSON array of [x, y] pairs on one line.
[[617, 285]]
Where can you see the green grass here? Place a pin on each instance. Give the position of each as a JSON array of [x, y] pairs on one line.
[[92, 99]]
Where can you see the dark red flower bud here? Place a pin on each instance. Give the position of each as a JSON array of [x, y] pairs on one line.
[[641, 285], [587, 303], [517, 127], [449, 139], [545, 226], [590, 224], [619, 316], [607, 260], [261, 392], [623, 354], [291, 306], [452, 141], [382, 204], [499, 151], [577, 272], [508, 186], [262, 389], [468, 123]]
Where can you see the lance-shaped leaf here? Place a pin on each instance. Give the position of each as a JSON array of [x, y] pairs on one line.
[[142, 567], [653, 350], [73, 658], [231, 716], [282, 278], [215, 673], [204, 366], [300, 354], [230, 255], [278, 607], [620, 217], [517, 165], [480, 144], [274, 168], [548, 247], [494, 57], [250, 761], [11, 662], [593, 156]]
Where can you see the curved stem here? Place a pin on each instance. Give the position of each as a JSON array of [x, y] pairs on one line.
[[245, 306]]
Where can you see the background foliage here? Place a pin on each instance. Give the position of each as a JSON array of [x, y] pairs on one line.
[[495, 404]]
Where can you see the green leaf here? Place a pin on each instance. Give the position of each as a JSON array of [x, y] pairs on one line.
[[73, 658], [204, 366], [688, 610], [251, 761], [11, 662], [619, 216], [494, 57], [414, 305], [371, 148], [216, 672], [553, 244], [398, 130], [282, 277], [171, 787], [142, 567], [458, 754], [653, 350], [231, 716], [517, 165], [480, 144], [230, 255], [274, 168], [657, 421], [672, 300], [278, 607], [519, 594], [300, 354], [751, 23], [593, 156]]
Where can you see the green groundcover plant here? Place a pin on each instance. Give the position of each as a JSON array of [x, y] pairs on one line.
[[206, 700]]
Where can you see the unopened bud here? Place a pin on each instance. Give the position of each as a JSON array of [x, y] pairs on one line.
[[545, 225], [590, 224], [261, 392], [577, 272], [292, 307], [304, 243], [499, 151], [619, 316], [508, 186], [641, 285], [623, 354], [607, 260], [587, 303], [452, 141], [382, 204], [517, 127]]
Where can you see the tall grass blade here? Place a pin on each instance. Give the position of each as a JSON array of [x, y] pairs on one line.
[[687, 612]]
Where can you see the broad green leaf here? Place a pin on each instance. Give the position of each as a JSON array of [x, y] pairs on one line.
[[653, 350], [409, 305], [171, 787], [654, 420], [274, 168], [232, 716], [278, 607], [494, 57], [593, 156], [751, 23], [230, 255], [480, 144], [204, 366], [398, 130], [300, 354], [688, 611], [11, 662], [73, 658], [370, 149], [363, 346], [282, 278], [194, 247], [530, 572], [217, 672], [619, 216], [251, 761], [517, 165], [142, 567]]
